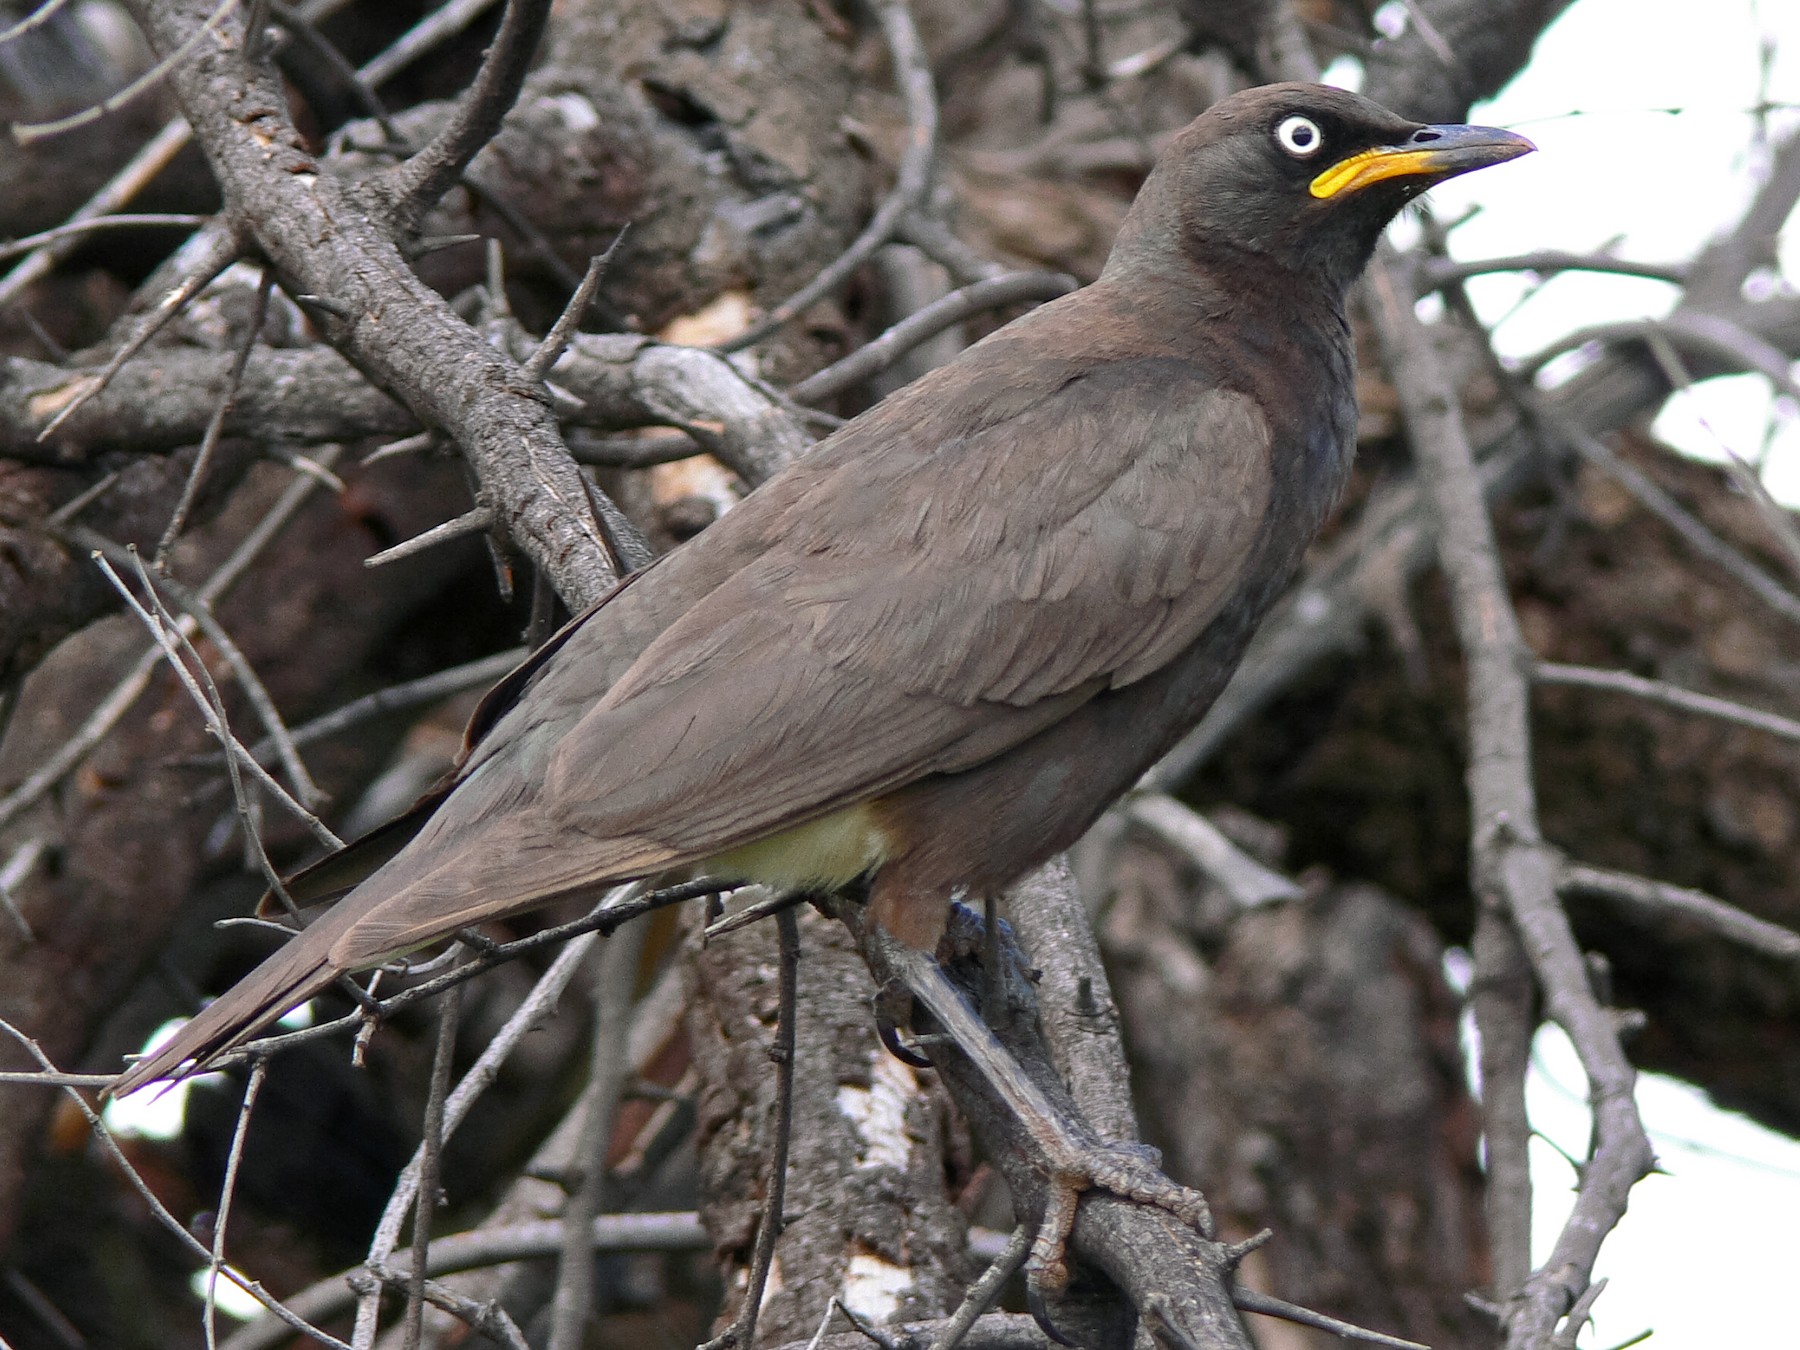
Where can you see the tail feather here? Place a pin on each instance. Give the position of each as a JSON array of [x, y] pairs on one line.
[[286, 979]]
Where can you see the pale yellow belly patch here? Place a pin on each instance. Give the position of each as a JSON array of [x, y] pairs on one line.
[[824, 853]]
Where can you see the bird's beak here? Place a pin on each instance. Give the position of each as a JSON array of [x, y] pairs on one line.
[[1432, 153]]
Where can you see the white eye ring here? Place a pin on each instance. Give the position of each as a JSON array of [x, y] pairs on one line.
[[1299, 136]]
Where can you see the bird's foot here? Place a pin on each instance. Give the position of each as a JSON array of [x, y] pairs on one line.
[[1130, 1170]]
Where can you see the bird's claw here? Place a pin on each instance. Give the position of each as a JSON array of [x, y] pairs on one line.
[[899, 1049], [893, 1009]]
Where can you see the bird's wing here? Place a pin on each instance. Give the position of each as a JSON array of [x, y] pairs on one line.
[[924, 593], [927, 598]]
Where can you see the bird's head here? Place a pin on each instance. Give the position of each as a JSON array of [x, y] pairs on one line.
[[1301, 176]]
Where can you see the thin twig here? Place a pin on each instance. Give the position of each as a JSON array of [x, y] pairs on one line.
[[27, 132], [223, 249], [615, 978], [986, 1290], [1667, 901], [169, 635], [161, 1211], [258, 1071], [329, 1297], [1251, 1300], [41, 15], [1669, 695], [76, 228], [1697, 536], [115, 193], [876, 356], [261, 701], [536, 1006], [620, 907], [396, 698], [1242, 877], [1778, 520], [1437, 273], [215, 427], [431, 1148], [485, 1319], [912, 70]]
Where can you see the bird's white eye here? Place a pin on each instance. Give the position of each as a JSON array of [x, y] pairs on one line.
[[1299, 136]]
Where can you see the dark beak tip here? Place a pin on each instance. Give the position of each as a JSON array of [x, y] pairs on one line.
[[1487, 145]]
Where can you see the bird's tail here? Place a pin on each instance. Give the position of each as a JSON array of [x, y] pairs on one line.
[[286, 979]]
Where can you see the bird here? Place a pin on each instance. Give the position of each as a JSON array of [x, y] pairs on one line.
[[926, 656]]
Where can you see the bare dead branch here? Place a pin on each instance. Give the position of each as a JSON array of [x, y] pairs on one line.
[[1666, 694], [912, 71], [322, 238], [1246, 880], [1682, 904], [1436, 273], [614, 979], [876, 356], [1513, 867]]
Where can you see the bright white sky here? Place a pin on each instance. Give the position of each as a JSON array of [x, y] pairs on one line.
[[1709, 1253]]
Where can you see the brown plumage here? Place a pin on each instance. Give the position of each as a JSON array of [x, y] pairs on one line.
[[935, 649]]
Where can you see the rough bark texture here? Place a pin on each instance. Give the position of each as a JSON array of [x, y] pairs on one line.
[[868, 1217]]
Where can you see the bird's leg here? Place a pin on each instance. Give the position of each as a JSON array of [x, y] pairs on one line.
[[994, 1007], [1064, 1145]]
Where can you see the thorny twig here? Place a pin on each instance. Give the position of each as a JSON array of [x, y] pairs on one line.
[[427, 175]]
